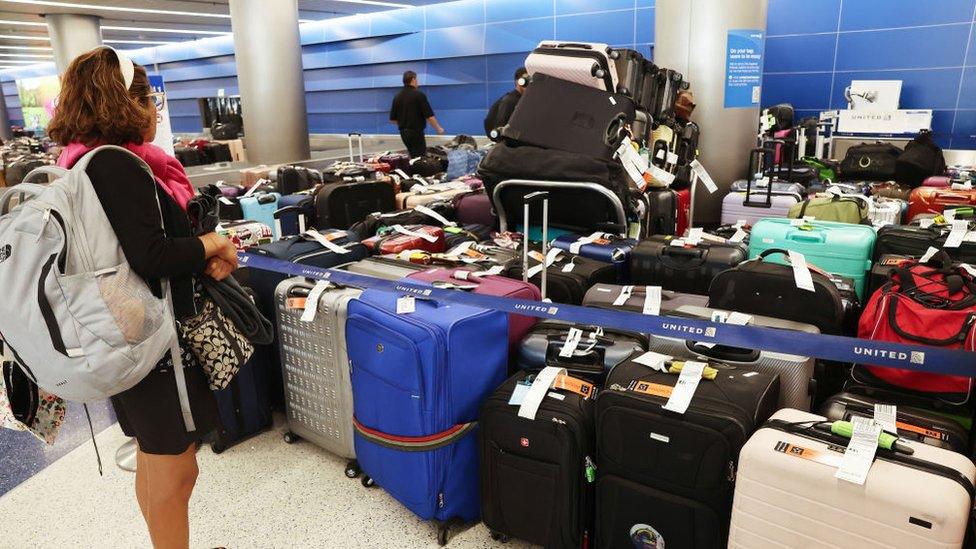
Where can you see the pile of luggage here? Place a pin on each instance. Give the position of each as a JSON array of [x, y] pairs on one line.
[[200, 152], [21, 155]]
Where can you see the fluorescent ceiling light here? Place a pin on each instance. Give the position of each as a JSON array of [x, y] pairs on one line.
[[29, 48], [20, 37], [25, 23], [21, 61], [141, 42], [97, 7], [370, 3], [168, 31], [32, 55]]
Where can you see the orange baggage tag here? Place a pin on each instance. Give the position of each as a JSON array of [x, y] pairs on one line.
[[653, 389], [296, 303], [574, 385]]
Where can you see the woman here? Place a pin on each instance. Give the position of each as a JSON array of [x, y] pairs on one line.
[[106, 100]]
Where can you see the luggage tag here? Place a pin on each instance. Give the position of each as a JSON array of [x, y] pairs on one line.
[[929, 255], [625, 293], [652, 300], [801, 272], [568, 268], [406, 305], [949, 215], [575, 247], [886, 416], [326, 241], [255, 186], [678, 243], [739, 236], [703, 176], [684, 389], [296, 302], [431, 213], [544, 262], [312, 302], [672, 158], [225, 200], [960, 228], [969, 269], [925, 223], [404, 231], [566, 382], [518, 394], [654, 361], [967, 186], [859, 455], [540, 387], [572, 343], [632, 163], [694, 236], [666, 178], [735, 318]]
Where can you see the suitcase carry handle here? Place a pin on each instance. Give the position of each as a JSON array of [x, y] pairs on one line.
[[805, 236], [723, 352], [953, 199], [683, 252], [351, 156], [593, 357]]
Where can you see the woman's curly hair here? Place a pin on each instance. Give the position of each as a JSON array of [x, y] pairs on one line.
[[95, 108]]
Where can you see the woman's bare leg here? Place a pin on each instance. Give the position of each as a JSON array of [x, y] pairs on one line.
[[167, 483]]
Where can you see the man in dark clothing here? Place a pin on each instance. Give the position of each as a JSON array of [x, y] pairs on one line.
[[502, 110], [410, 112]]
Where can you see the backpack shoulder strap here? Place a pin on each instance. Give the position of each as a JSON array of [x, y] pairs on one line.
[[22, 190], [56, 171], [82, 163]]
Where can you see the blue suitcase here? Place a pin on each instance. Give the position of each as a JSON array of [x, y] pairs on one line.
[[607, 249], [418, 380], [244, 405], [295, 214], [261, 208], [297, 249], [839, 248]]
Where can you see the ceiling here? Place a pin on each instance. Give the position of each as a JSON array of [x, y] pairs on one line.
[[23, 30]]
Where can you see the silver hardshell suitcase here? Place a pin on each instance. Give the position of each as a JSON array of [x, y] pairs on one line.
[[384, 267], [786, 494], [796, 373], [751, 208], [315, 368], [586, 63]]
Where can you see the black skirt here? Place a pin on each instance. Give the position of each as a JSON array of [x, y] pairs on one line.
[[150, 411]]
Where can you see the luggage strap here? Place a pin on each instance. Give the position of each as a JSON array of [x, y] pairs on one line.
[[415, 444]]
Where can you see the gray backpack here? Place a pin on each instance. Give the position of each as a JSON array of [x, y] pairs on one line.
[[80, 323]]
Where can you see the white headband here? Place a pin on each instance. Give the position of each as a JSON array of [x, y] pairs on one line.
[[126, 67]]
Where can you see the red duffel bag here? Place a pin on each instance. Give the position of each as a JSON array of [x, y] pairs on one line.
[[933, 304]]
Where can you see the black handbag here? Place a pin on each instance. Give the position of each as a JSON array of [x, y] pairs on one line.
[[870, 162], [225, 130], [922, 158]]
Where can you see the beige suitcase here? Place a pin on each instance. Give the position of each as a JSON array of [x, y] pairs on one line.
[[786, 495], [422, 195]]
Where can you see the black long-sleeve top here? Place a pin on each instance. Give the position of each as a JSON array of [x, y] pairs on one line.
[[128, 196]]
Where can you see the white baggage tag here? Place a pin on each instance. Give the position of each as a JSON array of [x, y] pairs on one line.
[[403, 230], [537, 392], [277, 227], [969, 269], [568, 268], [575, 247], [431, 213], [401, 173], [797, 222], [654, 361], [255, 186], [325, 242], [612, 101], [925, 223], [739, 235], [801, 272], [301, 223], [660, 175], [625, 293], [496, 270], [652, 300], [836, 191], [632, 163], [949, 215], [518, 395], [860, 451], [406, 305], [703, 176], [738, 319], [694, 237], [551, 258], [685, 388], [886, 415], [741, 223], [572, 342], [678, 242], [312, 301], [958, 233], [962, 186], [929, 255], [661, 154], [712, 238], [672, 158], [225, 200], [460, 248]]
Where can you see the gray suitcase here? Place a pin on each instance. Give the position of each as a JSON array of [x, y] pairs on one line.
[[796, 373], [752, 207], [386, 268], [604, 296], [315, 368]]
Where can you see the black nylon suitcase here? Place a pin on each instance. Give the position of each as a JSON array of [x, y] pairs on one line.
[[340, 205], [188, 156], [570, 117], [372, 223], [630, 73], [913, 423], [668, 477], [598, 352], [649, 88], [244, 406], [669, 83], [662, 211], [293, 179], [604, 296], [682, 269], [537, 475], [914, 241], [569, 288]]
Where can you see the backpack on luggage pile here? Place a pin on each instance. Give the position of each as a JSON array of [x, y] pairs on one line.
[[93, 328], [922, 158]]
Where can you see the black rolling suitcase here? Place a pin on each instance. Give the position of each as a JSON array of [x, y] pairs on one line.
[[662, 211], [599, 349], [293, 179], [649, 88], [688, 269], [340, 205], [669, 477], [568, 287], [630, 73], [188, 156], [668, 84], [913, 240], [244, 405], [375, 221], [537, 474], [570, 117]]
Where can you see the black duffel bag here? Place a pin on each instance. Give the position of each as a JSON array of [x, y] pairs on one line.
[[922, 159], [870, 162]]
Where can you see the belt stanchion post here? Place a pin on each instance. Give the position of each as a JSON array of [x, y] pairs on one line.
[[827, 347]]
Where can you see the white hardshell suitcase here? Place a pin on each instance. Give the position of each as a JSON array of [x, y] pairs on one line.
[[587, 63], [315, 368], [796, 373], [786, 494], [738, 206]]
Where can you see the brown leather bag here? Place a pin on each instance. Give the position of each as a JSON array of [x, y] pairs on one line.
[[684, 105]]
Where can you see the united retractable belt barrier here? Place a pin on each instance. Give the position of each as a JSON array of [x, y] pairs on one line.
[[826, 347]]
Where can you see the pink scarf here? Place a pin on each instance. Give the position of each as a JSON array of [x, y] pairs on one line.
[[168, 171]]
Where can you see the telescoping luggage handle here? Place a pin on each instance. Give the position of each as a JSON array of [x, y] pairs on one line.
[[359, 137], [527, 202], [758, 165]]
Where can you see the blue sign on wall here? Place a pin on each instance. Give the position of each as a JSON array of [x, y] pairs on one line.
[[743, 68]]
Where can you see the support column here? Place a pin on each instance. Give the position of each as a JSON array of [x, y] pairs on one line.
[[268, 53], [5, 132], [72, 35], [691, 37]]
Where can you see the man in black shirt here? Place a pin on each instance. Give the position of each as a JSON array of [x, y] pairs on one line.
[[410, 112], [502, 110]]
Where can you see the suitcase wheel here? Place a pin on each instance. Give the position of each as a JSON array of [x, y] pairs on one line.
[[443, 534], [352, 469], [291, 438], [368, 481], [498, 536], [217, 447]]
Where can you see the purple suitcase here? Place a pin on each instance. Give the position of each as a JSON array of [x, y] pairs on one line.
[[475, 209], [231, 191], [500, 286]]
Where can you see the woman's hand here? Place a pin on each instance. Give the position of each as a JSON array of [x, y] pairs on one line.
[[217, 246], [218, 269]]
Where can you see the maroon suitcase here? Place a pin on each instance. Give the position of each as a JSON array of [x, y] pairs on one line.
[[475, 209]]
